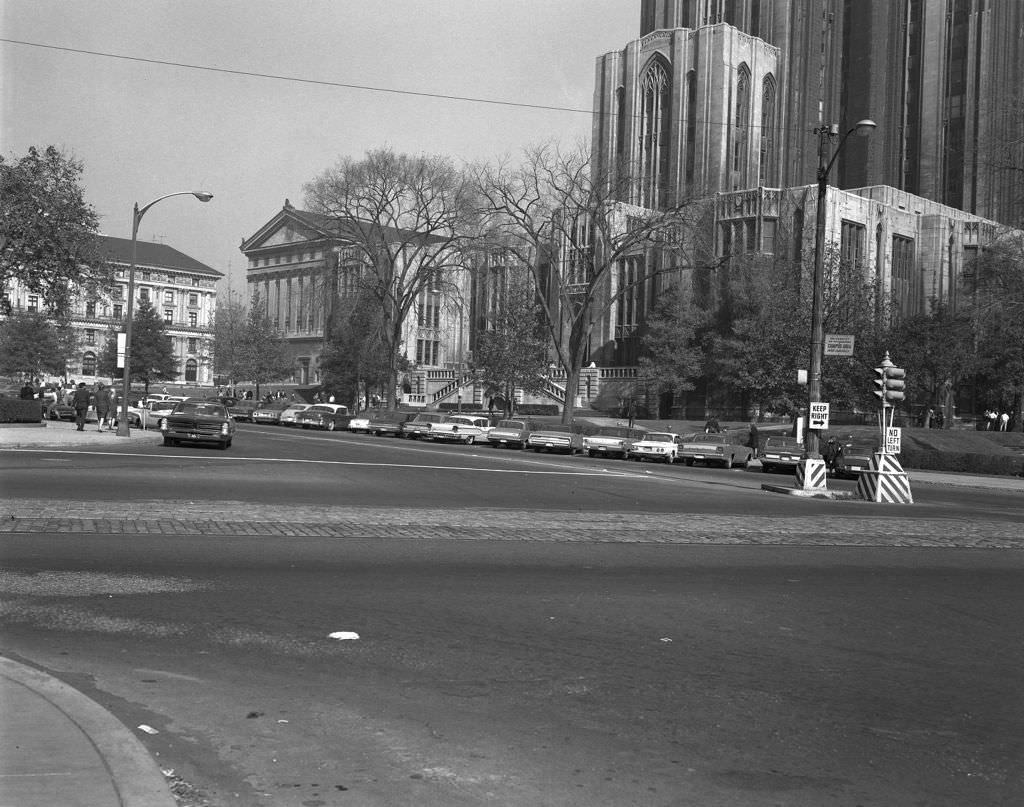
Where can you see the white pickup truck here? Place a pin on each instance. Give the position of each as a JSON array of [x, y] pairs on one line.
[[460, 429]]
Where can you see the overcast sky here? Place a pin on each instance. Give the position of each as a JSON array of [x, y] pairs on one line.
[[144, 129]]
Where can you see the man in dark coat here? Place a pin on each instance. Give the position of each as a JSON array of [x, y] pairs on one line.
[[81, 404]]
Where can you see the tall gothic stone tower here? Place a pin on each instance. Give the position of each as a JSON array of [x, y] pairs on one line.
[[720, 95]]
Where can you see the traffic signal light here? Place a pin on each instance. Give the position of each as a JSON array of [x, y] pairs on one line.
[[889, 385]]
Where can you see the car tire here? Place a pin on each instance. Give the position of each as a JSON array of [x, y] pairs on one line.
[[469, 440], [331, 425], [728, 462], [669, 459]]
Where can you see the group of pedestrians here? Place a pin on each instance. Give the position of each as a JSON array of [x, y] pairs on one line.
[[996, 421], [105, 400]]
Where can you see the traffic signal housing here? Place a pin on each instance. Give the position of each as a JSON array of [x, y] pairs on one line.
[[890, 384]]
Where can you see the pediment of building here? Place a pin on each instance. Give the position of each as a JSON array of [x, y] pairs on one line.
[[284, 229]]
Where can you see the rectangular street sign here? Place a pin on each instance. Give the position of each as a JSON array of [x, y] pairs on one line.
[[819, 416], [892, 439], [838, 344]]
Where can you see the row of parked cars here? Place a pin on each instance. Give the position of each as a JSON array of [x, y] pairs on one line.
[[637, 443]]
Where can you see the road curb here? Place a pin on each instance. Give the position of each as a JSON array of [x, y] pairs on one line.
[[132, 771]]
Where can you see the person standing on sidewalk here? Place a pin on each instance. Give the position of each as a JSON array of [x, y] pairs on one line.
[[103, 406], [80, 402]]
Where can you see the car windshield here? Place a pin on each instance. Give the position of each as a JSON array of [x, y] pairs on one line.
[[781, 443], [614, 431], [511, 424], [209, 410], [659, 437], [319, 408]]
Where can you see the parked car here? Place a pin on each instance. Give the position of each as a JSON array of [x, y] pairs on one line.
[[612, 441], [725, 448], [63, 411], [557, 437], [59, 411], [461, 429], [195, 420], [780, 453], [243, 409], [269, 412], [420, 425], [147, 415], [656, 447], [389, 421], [360, 423], [325, 416], [512, 433], [855, 458], [287, 417]]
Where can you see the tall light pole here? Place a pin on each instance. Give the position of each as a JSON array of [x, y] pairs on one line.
[[826, 137], [137, 214]]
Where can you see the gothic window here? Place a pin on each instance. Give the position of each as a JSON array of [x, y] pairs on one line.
[[767, 163], [630, 290], [620, 134], [851, 243], [741, 126], [191, 370], [655, 89], [89, 364], [691, 127]]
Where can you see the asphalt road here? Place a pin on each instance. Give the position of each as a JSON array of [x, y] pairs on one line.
[[548, 670]]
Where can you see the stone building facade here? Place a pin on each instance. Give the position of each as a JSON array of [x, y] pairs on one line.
[[182, 290]]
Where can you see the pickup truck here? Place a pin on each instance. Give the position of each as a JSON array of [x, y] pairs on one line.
[[460, 429]]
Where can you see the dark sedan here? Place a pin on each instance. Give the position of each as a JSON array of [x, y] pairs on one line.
[[195, 420], [389, 422]]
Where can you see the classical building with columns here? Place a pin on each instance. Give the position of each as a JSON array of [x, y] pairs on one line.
[[300, 262]]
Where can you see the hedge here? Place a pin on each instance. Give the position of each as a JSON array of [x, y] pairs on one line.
[[15, 410], [962, 462]]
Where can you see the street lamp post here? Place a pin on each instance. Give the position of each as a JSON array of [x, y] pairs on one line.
[[826, 136], [137, 214]]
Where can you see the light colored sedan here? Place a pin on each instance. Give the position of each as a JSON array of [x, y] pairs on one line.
[[725, 449], [656, 447], [612, 441], [288, 415]]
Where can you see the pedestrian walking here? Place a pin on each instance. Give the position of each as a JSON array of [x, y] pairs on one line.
[[631, 412], [753, 439], [712, 427], [80, 402], [1004, 421], [102, 406], [831, 454]]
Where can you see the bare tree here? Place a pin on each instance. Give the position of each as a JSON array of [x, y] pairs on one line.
[[408, 217], [567, 226]]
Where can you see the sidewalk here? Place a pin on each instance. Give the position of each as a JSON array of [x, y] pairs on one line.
[[64, 434], [58, 747]]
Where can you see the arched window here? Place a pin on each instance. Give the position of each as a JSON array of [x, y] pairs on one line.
[[191, 370], [655, 89], [89, 364], [741, 127], [766, 170]]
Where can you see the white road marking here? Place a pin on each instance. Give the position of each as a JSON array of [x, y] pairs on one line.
[[221, 458]]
